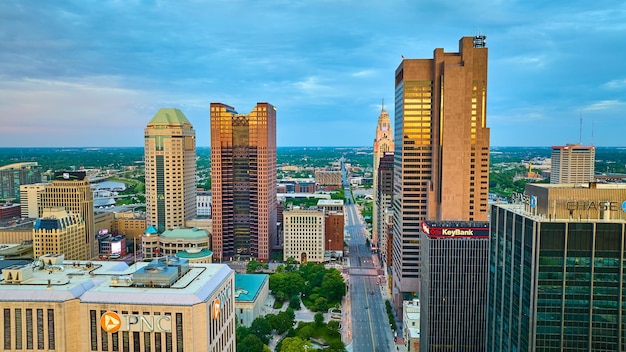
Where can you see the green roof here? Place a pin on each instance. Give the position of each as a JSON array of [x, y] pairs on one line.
[[248, 286], [151, 230], [185, 233], [192, 255], [169, 116]]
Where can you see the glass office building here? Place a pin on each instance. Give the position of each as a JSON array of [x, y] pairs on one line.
[[557, 270]]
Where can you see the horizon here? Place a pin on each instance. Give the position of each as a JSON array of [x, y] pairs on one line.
[[96, 73]]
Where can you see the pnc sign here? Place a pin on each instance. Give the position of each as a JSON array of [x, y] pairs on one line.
[[112, 322], [220, 301]]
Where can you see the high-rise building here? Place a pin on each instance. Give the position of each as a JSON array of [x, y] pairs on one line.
[[557, 271], [441, 143], [72, 191], [384, 210], [243, 172], [572, 163], [453, 300], [383, 144], [303, 231], [170, 162], [12, 176]]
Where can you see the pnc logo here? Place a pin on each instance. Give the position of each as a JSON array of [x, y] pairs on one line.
[[216, 309], [110, 322]]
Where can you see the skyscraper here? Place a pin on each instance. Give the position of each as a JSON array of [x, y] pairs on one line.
[[441, 150], [572, 163], [383, 144], [243, 173], [71, 190], [170, 158]]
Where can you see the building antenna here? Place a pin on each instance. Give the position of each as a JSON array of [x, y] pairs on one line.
[[592, 131], [580, 133], [383, 106]]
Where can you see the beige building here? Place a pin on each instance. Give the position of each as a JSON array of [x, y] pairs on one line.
[[130, 224], [59, 232], [572, 163], [170, 170], [303, 235], [170, 242], [328, 178], [30, 198], [383, 145], [442, 160], [71, 306], [72, 191]]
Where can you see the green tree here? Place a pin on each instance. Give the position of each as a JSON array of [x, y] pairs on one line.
[[254, 266], [250, 344], [294, 302], [290, 313], [294, 344], [333, 326], [242, 332], [318, 318], [321, 304], [262, 329], [333, 287], [283, 322]]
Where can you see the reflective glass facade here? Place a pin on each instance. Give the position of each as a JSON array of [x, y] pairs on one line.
[[555, 285]]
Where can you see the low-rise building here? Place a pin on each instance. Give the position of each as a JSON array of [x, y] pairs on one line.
[[76, 306], [303, 232], [411, 325], [170, 242], [60, 232], [251, 293]]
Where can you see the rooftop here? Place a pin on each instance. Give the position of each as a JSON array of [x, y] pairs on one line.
[[185, 233], [105, 282], [169, 116], [248, 286], [194, 253], [323, 202]]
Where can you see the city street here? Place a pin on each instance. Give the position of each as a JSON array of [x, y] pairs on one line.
[[370, 326]]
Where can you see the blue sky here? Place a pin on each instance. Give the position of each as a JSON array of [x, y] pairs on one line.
[[93, 72]]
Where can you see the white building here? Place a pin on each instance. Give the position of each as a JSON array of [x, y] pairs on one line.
[[251, 293], [203, 203], [303, 233], [411, 325]]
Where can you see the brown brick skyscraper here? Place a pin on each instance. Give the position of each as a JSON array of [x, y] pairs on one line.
[[243, 172]]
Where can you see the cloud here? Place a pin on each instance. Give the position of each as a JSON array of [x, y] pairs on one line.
[[615, 84], [605, 105]]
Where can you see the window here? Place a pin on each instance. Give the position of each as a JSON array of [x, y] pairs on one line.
[[7, 329]]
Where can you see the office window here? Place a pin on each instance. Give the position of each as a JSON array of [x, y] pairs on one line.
[[93, 330], [40, 339], [7, 329]]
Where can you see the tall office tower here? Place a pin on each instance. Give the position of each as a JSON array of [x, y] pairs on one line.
[[243, 172], [441, 150], [12, 176], [455, 258], [59, 232], [72, 191], [572, 163], [383, 144], [170, 159], [382, 199], [557, 278]]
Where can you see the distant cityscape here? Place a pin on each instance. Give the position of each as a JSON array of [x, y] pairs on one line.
[[430, 239]]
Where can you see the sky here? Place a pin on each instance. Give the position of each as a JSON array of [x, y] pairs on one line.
[[94, 72]]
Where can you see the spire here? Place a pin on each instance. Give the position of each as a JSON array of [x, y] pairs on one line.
[[383, 106]]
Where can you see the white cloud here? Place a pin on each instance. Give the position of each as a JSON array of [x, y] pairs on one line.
[[605, 105], [616, 84]]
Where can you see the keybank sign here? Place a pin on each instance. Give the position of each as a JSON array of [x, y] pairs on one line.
[[112, 322]]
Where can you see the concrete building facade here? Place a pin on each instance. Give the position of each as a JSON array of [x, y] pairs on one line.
[[303, 235], [572, 163], [30, 198], [441, 153], [60, 232], [72, 191], [383, 145], [76, 306], [243, 171], [170, 164], [251, 294], [383, 200]]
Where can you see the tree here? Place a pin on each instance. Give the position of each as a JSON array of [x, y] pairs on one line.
[[282, 322], [333, 287], [333, 326], [321, 304], [250, 344], [319, 319], [290, 313], [294, 344], [242, 332], [262, 329], [294, 302], [254, 266]]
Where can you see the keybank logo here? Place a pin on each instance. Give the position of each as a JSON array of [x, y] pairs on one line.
[[110, 322]]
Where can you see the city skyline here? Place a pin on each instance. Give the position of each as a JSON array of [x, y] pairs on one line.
[[79, 74]]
